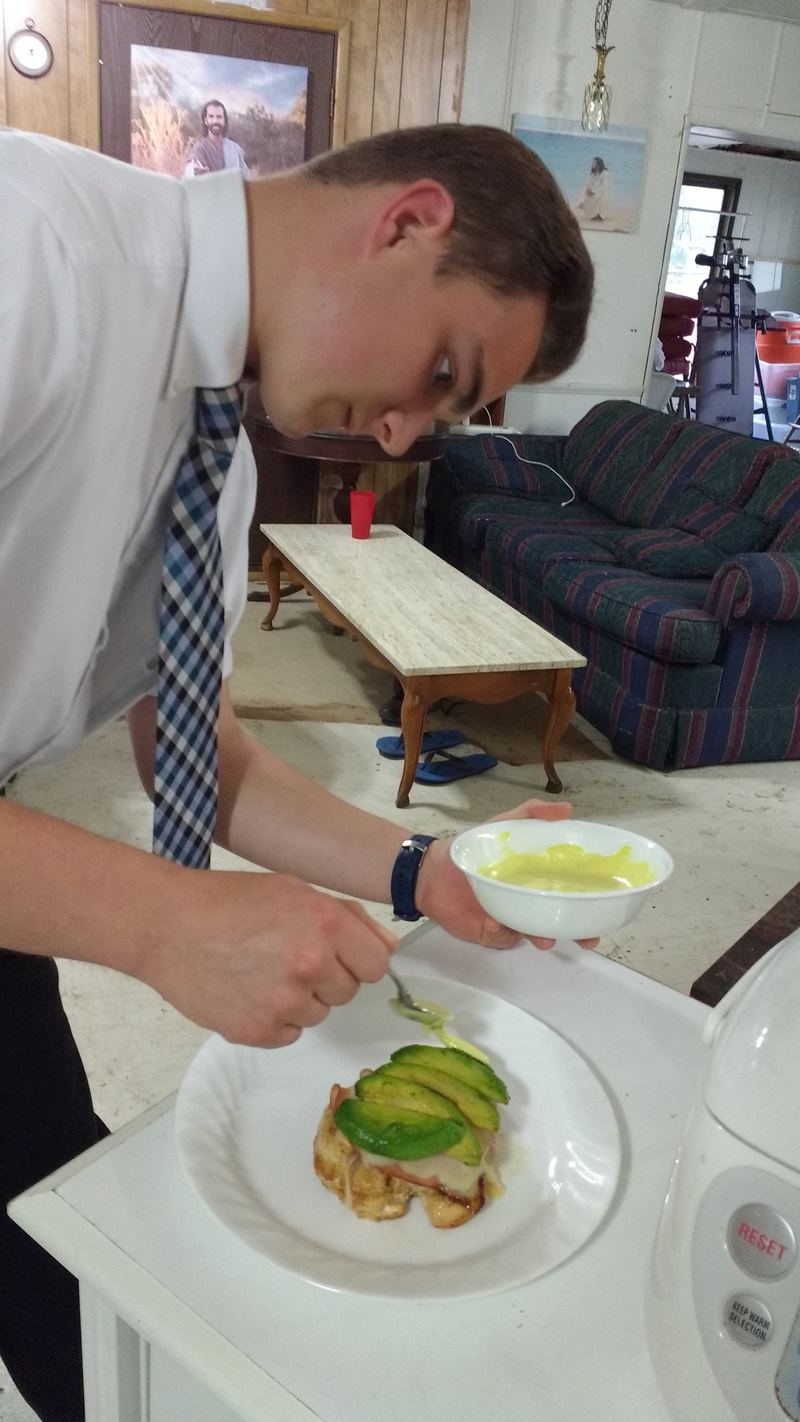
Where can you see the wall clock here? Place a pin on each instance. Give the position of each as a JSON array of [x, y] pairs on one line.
[[29, 52]]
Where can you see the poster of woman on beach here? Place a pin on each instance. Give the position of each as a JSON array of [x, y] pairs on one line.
[[600, 174]]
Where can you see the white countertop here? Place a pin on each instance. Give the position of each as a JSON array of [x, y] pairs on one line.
[[568, 1347]]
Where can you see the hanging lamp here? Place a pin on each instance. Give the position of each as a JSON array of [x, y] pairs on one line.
[[597, 96]]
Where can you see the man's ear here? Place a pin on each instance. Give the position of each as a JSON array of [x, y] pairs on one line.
[[424, 209]]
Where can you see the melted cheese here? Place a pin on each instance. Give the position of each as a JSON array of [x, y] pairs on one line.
[[454, 1175]]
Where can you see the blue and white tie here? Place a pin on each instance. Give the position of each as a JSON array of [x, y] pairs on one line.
[[191, 639]]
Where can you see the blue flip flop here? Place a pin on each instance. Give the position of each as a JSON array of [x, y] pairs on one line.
[[440, 768], [393, 747]]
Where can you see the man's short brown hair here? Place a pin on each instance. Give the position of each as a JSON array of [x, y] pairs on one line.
[[513, 229]]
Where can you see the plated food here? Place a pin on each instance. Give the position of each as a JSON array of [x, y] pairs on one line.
[[422, 1124]]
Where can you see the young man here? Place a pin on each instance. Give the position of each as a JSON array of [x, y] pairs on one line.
[[414, 276]]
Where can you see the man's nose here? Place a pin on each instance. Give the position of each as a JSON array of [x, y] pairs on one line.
[[396, 430]]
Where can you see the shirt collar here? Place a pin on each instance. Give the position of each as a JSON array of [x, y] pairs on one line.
[[211, 339]]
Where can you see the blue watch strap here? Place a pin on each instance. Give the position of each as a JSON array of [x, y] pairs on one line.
[[404, 875]]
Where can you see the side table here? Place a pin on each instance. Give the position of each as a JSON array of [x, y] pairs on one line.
[[351, 454]]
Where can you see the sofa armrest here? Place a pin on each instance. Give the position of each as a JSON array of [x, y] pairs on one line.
[[483, 464], [756, 587]]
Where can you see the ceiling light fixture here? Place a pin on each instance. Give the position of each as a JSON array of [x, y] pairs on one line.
[[597, 97]]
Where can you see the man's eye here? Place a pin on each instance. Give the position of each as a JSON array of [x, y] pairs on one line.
[[443, 374]]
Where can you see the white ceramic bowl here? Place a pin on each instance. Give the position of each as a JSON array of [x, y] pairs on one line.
[[545, 913]]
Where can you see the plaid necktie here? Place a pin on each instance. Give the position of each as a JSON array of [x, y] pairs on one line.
[[191, 639]]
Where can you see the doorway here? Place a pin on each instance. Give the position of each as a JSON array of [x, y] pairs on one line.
[[746, 189]]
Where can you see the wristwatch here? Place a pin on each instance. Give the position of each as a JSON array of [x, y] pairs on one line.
[[404, 875]]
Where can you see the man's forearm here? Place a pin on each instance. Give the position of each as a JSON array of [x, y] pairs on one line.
[[273, 815], [71, 893], [257, 957]]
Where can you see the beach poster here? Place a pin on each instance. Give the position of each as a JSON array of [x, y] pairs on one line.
[[600, 174]]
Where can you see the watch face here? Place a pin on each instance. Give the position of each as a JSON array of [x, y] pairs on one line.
[[30, 53]]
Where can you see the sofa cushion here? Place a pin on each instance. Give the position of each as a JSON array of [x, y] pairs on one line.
[[498, 462], [661, 616], [650, 470], [530, 552], [476, 515], [778, 497], [613, 458], [528, 542], [667, 553], [725, 529]]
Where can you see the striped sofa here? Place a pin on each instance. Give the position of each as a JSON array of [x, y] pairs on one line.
[[675, 570]]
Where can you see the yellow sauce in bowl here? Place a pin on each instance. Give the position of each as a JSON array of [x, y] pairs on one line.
[[569, 869]]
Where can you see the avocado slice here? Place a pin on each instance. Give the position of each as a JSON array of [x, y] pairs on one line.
[[389, 1087], [394, 1131], [459, 1064], [468, 1150], [477, 1109]]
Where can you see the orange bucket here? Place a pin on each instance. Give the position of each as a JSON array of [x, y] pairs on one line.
[[779, 353], [779, 346]]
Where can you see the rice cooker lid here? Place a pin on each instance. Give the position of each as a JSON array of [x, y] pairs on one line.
[[752, 1085]]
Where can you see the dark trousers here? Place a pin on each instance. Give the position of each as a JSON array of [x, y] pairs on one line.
[[46, 1118]]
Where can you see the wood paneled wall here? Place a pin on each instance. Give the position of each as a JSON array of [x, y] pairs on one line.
[[405, 67], [406, 62]]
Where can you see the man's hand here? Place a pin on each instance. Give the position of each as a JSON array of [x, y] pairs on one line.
[[443, 893], [261, 956]]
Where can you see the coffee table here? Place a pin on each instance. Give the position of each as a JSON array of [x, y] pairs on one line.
[[438, 632]]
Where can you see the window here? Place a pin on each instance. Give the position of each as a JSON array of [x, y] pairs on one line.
[[704, 220]]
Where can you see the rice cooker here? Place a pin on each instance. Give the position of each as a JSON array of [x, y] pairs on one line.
[[723, 1294]]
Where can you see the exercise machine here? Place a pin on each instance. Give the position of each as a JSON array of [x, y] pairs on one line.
[[726, 360]]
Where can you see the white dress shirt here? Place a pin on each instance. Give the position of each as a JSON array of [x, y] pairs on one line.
[[120, 292]]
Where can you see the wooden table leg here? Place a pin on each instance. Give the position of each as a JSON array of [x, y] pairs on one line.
[[271, 565], [562, 705], [412, 720]]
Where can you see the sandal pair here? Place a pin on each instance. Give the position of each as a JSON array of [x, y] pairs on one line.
[[438, 765]]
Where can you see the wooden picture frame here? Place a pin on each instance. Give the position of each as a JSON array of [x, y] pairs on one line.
[[219, 31]]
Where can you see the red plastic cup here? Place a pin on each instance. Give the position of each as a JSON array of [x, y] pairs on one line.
[[362, 505]]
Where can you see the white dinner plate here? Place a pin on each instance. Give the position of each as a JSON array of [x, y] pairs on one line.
[[246, 1120]]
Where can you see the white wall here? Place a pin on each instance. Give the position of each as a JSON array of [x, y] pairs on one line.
[[670, 68]]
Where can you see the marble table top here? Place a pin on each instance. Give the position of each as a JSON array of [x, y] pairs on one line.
[[425, 617]]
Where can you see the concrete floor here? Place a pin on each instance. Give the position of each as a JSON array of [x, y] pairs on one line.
[[310, 696]]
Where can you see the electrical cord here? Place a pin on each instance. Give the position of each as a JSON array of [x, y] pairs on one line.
[[540, 462]]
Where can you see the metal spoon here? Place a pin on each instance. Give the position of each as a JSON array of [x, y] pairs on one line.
[[432, 1017], [411, 1007]]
